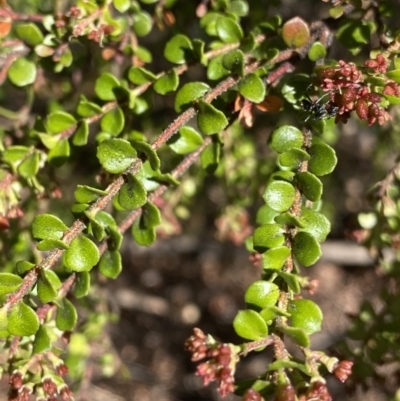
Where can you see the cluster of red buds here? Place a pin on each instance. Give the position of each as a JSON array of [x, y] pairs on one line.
[[349, 91], [317, 391], [103, 30], [221, 363]]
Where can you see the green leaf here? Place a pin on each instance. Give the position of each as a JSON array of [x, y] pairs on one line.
[[42, 341], [293, 157], [299, 336], [305, 315], [215, 69], [59, 121], [353, 34], [268, 236], [88, 109], [275, 258], [151, 216], [47, 226], [47, 286], [310, 186], [179, 49], [50, 244], [81, 255], [210, 157], [144, 236], [81, 134], [249, 325], [30, 166], [22, 320], [149, 152], [315, 224], [140, 76], [289, 219], [234, 62], [3, 321], [22, 266], [86, 194], [261, 294], [60, 153], [323, 159], [292, 280], [285, 138], [228, 30], [116, 155], [167, 83], [188, 93], [14, 154], [238, 7], [252, 88], [113, 122], [107, 86], [110, 264], [66, 316], [132, 195], [82, 284], [29, 33], [279, 195], [186, 140], [306, 249], [209, 119], [317, 51], [9, 282], [394, 74], [22, 72], [295, 32], [122, 5], [142, 23]]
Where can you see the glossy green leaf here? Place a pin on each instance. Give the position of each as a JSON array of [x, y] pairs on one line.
[[285, 138], [234, 62], [310, 186], [295, 32], [122, 5], [59, 121], [50, 244], [315, 223], [279, 195], [86, 194], [88, 109], [22, 266], [22, 320], [30, 166], [47, 226], [82, 284], [15, 153], [115, 155], [81, 134], [305, 314], [142, 23], [261, 294], [60, 153], [292, 280], [298, 335], [228, 30], [265, 215], [132, 194], [96, 229], [293, 157], [238, 7], [353, 34], [82, 254], [179, 49], [113, 121], [210, 157], [29, 33], [268, 236], [110, 264], [188, 93], [143, 54], [317, 51], [151, 216], [139, 75], [289, 219], [144, 236], [249, 325], [216, 70], [252, 88], [275, 258], [323, 159], [22, 72], [149, 152], [186, 140], [42, 341], [107, 86], [50, 141], [306, 249], [47, 286], [9, 282], [66, 316], [167, 83], [210, 120]]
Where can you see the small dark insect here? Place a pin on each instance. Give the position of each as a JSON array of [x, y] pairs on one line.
[[319, 110]]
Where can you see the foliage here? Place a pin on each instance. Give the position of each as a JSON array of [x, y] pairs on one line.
[[86, 77]]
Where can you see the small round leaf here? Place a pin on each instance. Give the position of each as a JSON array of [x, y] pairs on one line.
[[47, 226], [261, 294], [295, 32], [275, 258], [323, 159], [268, 236], [66, 316], [167, 83], [22, 320], [29, 33], [115, 155], [252, 88], [209, 119], [286, 137], [106, 86], [306, 249], [9, 282], [142, 23], [113, 122], [22, 72], [82, 254], [250, 325], [188, 93], [310, 186], [228, 30], [179, 49], [315, 224], [42, 341], [185, 141], [305, 314], [82, 284], [279, 195], [110, 264], [132, 195]]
